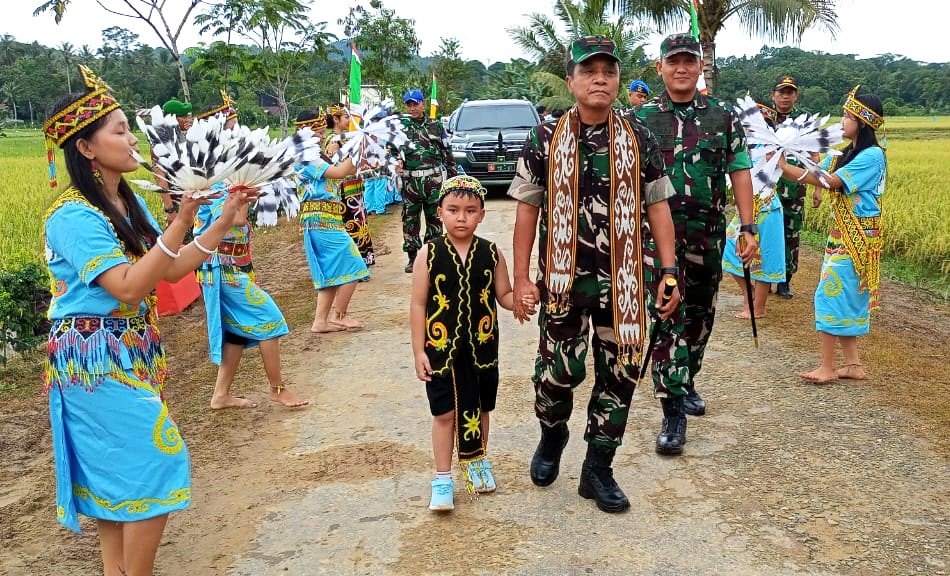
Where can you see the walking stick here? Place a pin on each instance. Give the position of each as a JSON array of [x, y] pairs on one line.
[[747, 273], [668, 288]]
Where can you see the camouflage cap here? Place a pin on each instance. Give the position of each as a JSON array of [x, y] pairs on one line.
[[785, 81], [587, 47], [682, 43]]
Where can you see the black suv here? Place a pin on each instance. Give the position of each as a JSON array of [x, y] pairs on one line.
[[487, 137]]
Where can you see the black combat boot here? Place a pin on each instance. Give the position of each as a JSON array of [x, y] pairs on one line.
[[784, 289], [412, 261], [693, 403], [597, 480], [673, 434], [546, 462]]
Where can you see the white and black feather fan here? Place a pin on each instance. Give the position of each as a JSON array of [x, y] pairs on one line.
[[367, 145], [277, 195], [797, 137]]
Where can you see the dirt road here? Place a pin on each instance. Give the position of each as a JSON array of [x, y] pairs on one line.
[[779, 478]]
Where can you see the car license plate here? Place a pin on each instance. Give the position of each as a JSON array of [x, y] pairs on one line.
[[501, 167]]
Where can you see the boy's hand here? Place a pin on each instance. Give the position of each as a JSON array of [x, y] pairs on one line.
[[523, 289], [529, 304], [423, 368]]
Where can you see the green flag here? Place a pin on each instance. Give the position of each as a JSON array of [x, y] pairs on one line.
[[356, 75], [433, 102]]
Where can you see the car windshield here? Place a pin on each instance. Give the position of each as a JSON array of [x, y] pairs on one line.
[[495, 117]]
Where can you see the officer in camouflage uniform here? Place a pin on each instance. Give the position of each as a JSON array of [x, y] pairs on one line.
[[791, 193], [600, 290], [428, 160], [702, 141]]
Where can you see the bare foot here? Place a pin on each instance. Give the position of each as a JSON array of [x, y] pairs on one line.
[[818, 376], [325, 327], [347, 323], [222, 402], [287, 398], [744, 315], [852, 372]]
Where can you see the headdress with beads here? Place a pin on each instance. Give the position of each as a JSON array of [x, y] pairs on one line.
[[88, 108], [227, 108], [318, 123], [857, 109], [336, 109], [462, 183]]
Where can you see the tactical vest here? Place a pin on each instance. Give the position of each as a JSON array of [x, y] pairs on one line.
[[460, 310]]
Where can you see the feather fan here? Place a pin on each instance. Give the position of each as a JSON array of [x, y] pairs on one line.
[[369, 144], [281, 193]]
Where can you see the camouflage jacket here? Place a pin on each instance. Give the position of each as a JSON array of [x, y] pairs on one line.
[[430, 145], [701, 141], [592, 280]]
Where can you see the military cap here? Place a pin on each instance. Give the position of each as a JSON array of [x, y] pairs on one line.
[[785, 81], [682, 43], [414, 95], [176, 107], [639, 86], [587, 47]]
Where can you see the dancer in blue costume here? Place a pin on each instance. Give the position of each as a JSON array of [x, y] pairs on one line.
[[119, 457], [768, 264], [335, 262], [240, 314], [849, 287]]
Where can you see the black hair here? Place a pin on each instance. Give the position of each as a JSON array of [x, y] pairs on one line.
[[541, 109], [131, 231], [307, 115], [464, 193], [866, 136], [331, 118]]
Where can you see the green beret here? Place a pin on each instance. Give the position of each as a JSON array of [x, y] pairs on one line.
[[177, 107]]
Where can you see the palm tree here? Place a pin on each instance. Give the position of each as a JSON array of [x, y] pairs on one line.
[[540, 39], [67, 53], [772, 19]]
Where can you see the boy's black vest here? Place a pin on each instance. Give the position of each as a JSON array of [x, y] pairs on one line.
[[460, 310]]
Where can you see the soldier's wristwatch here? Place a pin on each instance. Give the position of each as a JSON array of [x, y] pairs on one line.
[[673, 271], [750, 228]]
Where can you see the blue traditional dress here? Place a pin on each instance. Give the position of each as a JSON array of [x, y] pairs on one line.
[[769, 264], [332, 255], [850, 272], [237, 309], [118, 454]]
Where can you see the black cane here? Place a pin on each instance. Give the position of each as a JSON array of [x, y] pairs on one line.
[[668, 288], [747, 273]]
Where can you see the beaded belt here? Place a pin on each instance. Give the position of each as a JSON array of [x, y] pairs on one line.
[[89, 324], [870, 222], [234, 249], [321, 206]]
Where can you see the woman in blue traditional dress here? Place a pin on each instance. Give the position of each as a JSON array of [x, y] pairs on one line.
[[240, 314], [768, 265], [849, 287], [119, 457], [334, 260]]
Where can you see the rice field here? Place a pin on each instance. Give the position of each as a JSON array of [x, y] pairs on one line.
[[916, 200]]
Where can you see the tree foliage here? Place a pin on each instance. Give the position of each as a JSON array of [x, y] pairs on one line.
[[388, 44]]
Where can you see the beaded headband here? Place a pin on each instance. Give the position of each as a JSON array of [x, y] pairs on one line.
[[318, 124], [857, 109], [88, 108], [462, 184], [226, 107]]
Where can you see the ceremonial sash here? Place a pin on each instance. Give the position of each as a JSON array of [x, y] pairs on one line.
[[864, 249], [624, 216]]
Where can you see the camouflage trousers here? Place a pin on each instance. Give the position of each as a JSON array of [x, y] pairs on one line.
[[420, 198], [793, 209], [560, 367], [678, 355]]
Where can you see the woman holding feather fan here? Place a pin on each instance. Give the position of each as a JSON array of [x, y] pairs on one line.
[[334, 260], [850, 274], [119, 457]]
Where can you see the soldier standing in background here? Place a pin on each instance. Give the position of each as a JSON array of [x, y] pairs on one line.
[[702, 141], [791, 193], [428, 161]]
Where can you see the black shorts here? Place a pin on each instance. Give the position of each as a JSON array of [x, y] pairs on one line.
[[441, 389]]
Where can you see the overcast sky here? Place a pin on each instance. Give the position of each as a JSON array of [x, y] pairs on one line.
[[913, 28]]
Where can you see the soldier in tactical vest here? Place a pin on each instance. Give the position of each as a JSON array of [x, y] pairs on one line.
[[702, 141], [791, 193], [428, 161]]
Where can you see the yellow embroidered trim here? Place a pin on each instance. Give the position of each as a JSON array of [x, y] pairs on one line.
[[255, 296], [264, 328], [139, 506], [436, 332]]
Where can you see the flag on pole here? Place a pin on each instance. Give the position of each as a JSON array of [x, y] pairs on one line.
[[694, 31], [433, 103], [356, 75]]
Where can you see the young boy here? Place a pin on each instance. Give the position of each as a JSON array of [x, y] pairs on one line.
[[456, 280]]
